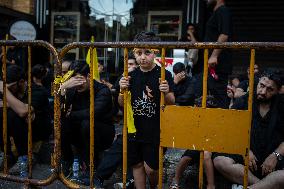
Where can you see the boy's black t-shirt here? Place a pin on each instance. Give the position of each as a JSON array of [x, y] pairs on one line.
[[220, 23], [145, 101]]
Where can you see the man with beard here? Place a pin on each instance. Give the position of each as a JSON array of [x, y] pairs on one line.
[[267, 139], [218, 29]]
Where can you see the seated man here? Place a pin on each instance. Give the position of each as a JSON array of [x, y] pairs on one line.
[[76, 115], [113, 156], [267, 139], [183, 86], [17, 114]]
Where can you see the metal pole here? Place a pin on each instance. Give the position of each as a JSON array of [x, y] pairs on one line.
[[250, 101], [30, 136], [4, 77], [125, 99], [162, 105], [92, 119], [204, 97]]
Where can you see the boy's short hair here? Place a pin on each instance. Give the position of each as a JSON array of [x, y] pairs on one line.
[[80, 67], [178, 67], [145, 36], [14, 74]]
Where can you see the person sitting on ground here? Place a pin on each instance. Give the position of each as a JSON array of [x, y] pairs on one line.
[[113, 156], [243, 87], [233, 83], [76, 116], [265, 158], [17, 115], [183, 86]]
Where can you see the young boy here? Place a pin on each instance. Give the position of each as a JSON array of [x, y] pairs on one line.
[[145, 87]]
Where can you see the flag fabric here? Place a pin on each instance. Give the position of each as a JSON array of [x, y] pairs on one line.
[[130, 120], [96, 74]]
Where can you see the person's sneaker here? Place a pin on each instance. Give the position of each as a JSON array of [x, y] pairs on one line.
[[20, 166], [237, 186], [129, 185], [66, 168]]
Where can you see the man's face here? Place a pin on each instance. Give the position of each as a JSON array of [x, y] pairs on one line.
[[191, 29], [100, 68], [145, 58], [211, 4], [255, 70], [85, 86], [65, 67], [131, 65], [266, 89]]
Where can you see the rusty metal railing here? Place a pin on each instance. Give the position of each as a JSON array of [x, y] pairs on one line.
[[163, 46], [29, 180], [57, 172]]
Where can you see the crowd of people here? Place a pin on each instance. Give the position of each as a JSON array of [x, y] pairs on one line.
[[183, 88]]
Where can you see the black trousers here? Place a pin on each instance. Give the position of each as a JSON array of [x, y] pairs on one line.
[[112, 158], [17, 128], [217, 88], [77, 133]]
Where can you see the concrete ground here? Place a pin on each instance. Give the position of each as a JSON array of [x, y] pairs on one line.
[[189, 180]]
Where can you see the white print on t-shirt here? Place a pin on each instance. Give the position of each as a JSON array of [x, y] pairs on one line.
[[145, 106]]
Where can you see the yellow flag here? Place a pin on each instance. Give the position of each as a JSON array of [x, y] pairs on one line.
[[130, 120], [96, 74]]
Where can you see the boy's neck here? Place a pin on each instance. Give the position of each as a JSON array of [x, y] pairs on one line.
[[148, 69]]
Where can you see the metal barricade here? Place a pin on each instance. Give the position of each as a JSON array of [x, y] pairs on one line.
[[174, 126], [29, 180]]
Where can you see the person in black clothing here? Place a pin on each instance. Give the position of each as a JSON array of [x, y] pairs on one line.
[[218, 29], [183, 86], [267, 138], [17, 112], [191, 55], [242, 88], [112, 158], [145, 87], [76, 115]]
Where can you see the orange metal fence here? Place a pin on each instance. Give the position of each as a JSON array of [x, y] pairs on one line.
[[198, 116]]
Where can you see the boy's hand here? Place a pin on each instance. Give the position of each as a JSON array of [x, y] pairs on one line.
[[164, 87], [124, 83]]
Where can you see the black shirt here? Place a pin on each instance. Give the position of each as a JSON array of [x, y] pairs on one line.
[[80, 102], [145, 101], [219, 23], [184, 92], [267, 132]]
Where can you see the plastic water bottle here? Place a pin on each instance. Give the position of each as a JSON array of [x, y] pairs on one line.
[[75, 168], [23, 166]]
